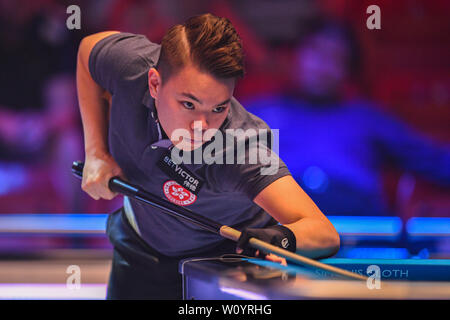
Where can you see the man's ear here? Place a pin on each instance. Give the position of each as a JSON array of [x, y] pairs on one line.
[[154, 82]]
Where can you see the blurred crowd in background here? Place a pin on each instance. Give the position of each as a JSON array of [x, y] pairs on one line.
[[364, 115]]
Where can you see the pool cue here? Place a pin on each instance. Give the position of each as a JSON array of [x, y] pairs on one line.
[[118, 185]]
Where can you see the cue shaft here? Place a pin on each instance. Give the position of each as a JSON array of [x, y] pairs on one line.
[[233, 234], [116, 184]]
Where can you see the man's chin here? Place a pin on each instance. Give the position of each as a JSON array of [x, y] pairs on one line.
[[188, 145]]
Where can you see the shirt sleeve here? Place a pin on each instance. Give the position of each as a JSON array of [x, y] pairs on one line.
[[120, 58], [255, 178], [256, 169]]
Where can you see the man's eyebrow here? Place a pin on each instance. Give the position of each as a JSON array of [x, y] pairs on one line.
[[191, 96], [225, 102]]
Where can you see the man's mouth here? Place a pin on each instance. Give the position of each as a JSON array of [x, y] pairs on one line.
[[193, 142]]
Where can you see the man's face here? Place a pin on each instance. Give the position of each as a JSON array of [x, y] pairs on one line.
[[189, 103]]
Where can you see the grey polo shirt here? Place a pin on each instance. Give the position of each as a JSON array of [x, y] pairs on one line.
[[221, 191]]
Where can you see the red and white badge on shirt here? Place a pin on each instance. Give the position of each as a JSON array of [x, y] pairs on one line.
[[178, 194]]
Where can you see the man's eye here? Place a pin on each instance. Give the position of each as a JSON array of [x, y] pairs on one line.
[[219, 109], [187, 104]]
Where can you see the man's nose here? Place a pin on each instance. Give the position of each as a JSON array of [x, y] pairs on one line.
[[200, 124]]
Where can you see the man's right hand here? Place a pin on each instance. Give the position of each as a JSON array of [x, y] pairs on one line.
[[95, 101], [98, 170]]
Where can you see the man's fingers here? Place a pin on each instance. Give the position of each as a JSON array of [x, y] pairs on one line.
[[107, 194], [98, 171], [271, 257], [97, 191], [275, 258]]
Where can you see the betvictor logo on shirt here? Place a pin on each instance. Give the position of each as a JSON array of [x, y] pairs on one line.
[[180, 174]]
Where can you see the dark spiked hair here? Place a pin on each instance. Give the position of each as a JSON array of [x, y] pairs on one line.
[[208, 42]]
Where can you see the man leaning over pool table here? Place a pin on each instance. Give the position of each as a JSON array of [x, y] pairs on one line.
[[134, 95]]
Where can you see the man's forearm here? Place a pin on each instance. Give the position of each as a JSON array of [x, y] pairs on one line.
[[316, 238]]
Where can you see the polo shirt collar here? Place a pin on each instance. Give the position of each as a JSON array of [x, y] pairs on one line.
[[149, 102]]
